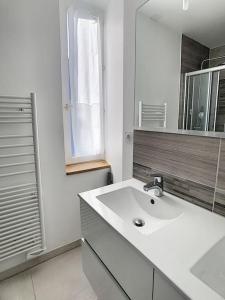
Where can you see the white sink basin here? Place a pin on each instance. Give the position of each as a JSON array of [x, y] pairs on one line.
[[211, 268], [134, 206]]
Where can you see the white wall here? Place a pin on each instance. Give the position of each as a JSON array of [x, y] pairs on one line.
[[120, 32], [114, 86], [30, 61], [130, 9], [158, 66]]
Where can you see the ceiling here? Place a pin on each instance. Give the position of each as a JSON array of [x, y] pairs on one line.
[[204, 21]]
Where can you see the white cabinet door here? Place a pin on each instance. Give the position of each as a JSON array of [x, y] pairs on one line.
[[100, 279], [163, 290], [128, 266]]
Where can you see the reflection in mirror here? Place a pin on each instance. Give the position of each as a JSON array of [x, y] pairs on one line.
[[180, 65]]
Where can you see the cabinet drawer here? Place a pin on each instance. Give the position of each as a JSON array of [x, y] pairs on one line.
[[163, 289], [129, 267], [100, 279]]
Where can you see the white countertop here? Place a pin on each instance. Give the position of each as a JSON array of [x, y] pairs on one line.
[[175, 248]]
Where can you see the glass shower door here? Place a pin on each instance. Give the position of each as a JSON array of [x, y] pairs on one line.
[[198, 101]]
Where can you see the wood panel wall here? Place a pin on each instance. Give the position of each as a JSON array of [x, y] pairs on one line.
[[189, 165]]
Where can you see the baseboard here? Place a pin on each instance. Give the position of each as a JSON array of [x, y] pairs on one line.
[[38, 260]]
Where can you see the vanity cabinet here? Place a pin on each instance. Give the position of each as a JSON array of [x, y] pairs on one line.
[[163, 290], [116, 269], [129, 267], [99, 277]]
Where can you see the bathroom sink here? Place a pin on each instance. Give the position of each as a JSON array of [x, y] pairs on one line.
[[211, 268], [141, 210]]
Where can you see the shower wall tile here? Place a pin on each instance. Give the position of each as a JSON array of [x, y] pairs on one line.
[[193, 167], [219, 205], [221, 172], [190, 158], [189, 165], [192, 54]]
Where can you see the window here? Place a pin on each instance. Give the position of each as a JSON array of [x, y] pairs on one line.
[[85, 106]]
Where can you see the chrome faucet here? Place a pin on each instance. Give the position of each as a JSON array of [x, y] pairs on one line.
[[156, 185]]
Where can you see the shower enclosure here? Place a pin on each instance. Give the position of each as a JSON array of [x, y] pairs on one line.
[[201, 100]]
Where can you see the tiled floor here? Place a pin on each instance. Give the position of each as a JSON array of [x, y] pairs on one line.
[[60, 278]]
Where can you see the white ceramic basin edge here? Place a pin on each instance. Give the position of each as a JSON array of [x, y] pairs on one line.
[[132, 205]]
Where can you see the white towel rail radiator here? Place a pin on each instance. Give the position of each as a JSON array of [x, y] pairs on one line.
[[21, 212], [151, 113]]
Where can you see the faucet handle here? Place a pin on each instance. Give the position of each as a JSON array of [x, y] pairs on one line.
[[157, 185], [157, 177]]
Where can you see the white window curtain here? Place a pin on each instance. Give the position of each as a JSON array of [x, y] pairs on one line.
[[86, 91]]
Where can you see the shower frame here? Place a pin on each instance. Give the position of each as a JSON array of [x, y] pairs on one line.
[[186, 96]]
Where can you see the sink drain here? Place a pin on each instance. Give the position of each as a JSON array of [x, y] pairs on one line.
[[139, 222]]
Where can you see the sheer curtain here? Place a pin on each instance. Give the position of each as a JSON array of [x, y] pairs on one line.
[[86, 93]]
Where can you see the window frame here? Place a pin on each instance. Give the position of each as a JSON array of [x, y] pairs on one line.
[[83, 12]]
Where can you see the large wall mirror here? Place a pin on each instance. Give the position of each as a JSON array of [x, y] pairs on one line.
[[180, 65]]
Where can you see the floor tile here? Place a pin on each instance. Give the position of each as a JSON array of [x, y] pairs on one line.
[[18, 287], [62, 278]]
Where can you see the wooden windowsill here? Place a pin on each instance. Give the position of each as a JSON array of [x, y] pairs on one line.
[[86, 167]]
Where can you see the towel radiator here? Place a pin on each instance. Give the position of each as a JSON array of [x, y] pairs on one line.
[[21, 212], [151, 113]]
